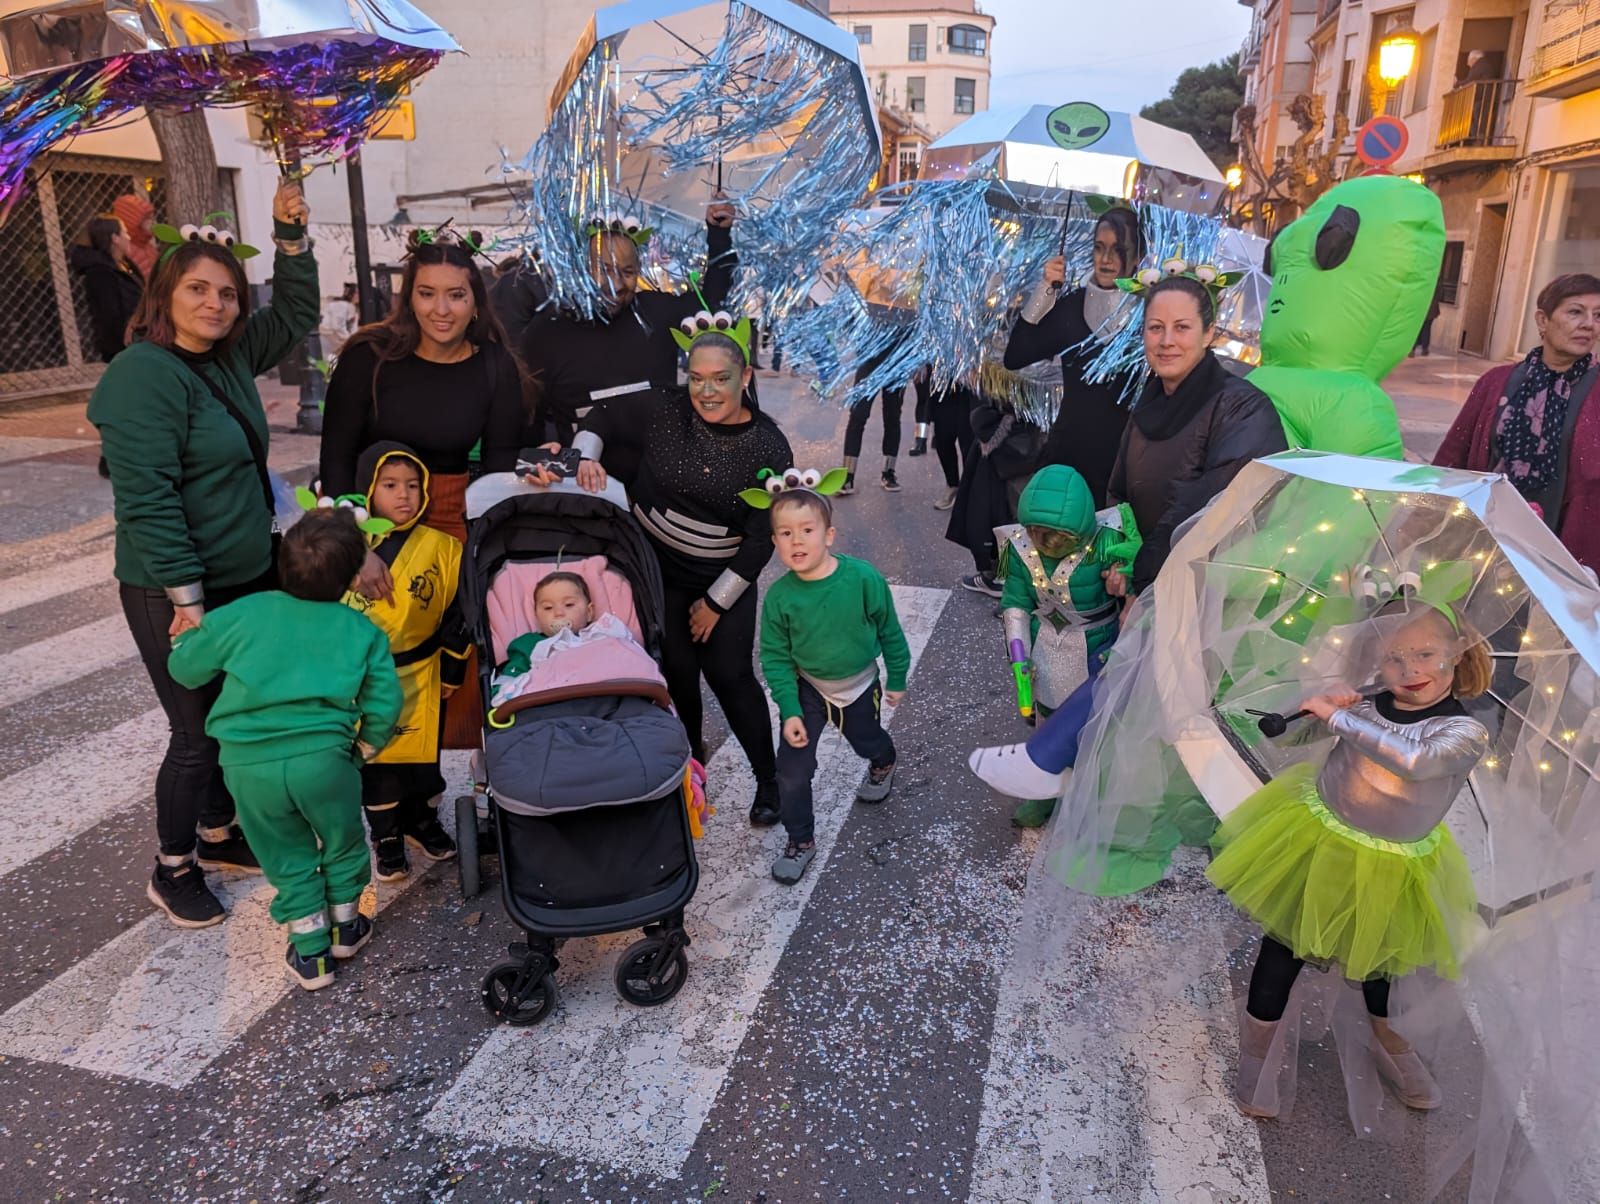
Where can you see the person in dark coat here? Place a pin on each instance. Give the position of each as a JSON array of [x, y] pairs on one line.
[[619, 360], [517, 295], [1004, 453], [1192, 430], [111, 283], [1088, 428]]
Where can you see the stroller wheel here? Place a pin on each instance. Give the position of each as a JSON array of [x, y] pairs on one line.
[[467, 845], [652, 971], [513, 995]]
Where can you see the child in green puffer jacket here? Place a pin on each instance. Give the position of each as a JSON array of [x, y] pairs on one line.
[[1059, 619]]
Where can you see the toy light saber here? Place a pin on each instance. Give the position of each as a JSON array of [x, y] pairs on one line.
[[1022, 673]]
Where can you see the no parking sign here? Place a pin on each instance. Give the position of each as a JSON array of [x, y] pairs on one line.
[[1381, 141]]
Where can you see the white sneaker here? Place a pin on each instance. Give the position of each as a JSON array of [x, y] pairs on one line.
[[1012, 772], [948, 501]]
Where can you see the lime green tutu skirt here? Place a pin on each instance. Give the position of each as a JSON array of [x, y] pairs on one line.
[[1333, 893]]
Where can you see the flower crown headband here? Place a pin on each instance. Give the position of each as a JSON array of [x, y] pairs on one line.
[[353, 502], [793, 480], [174, 237], [1212, 278], [615, 223]]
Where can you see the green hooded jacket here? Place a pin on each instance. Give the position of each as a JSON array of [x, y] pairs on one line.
[[1058, 497]]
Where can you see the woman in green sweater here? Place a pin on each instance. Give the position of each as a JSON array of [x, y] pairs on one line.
[[185, 439]]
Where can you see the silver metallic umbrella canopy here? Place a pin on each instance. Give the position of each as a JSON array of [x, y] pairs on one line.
[[1078, 146], [36, 38]]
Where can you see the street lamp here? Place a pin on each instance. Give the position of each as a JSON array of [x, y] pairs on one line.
[[1234, 177], [1397, 56]]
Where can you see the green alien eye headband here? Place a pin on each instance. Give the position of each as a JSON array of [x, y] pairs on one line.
[[615, 223], [790, 480], [369, 523], [173, 237], [1212, 278]]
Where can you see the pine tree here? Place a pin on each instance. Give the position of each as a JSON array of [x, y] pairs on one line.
[[1202, 103]]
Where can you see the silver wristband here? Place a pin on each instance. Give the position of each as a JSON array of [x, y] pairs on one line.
[[293, 246], [727, 589], [187, 595]]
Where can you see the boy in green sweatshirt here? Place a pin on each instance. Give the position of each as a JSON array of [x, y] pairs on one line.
[[309, 692], [823, 624]]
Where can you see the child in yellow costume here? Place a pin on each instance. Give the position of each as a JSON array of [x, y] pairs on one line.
[[430, 645]]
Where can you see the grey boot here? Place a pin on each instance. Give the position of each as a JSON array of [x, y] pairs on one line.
[[1255, 1039], [1403, 1069]]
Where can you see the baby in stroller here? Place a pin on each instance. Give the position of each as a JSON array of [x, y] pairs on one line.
[[586, 768]]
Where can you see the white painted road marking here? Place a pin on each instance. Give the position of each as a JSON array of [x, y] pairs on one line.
[[25, 447], [48, 664], [55, 581], [628, 1087], [160, 1004], [1104, 1083], [90, 780]]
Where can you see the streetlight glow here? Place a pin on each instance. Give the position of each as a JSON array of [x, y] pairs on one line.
[[1397, 55], [1234, 176]]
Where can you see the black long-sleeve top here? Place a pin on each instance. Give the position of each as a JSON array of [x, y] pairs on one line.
[[686, 494], [438, 410], [1088, 429], [112, 290], [580, 363]]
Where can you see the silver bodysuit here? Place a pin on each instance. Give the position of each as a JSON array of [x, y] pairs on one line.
[[1397, 780]]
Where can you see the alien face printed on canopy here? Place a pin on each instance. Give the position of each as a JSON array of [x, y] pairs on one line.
[[1077, 125]]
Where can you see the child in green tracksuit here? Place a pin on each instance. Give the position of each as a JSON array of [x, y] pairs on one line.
[[1058, 618], [823, 625], [309, 692]]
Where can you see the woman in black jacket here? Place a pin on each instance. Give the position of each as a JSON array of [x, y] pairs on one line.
[[111, 284], [1194, 427], [699, 448], [1088, 428]]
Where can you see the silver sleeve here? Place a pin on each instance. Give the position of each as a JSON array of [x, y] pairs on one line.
[[1442, 748], [1017, 627], [588, 444], [727, 589], [186, 595]]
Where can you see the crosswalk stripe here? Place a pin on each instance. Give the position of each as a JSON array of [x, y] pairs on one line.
[[25, 447], [636, 1085], [68, 793], [41, 585], [159, 1003], [46, 664], [1121, 1090], [47, 552]]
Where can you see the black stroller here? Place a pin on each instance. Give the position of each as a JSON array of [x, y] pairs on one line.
[[585, 787]]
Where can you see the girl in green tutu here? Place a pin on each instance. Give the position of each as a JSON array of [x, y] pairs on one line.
[[1352, 864]]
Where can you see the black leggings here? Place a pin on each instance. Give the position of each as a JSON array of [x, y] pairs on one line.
[[952, 430], [189, 788], [725, 662], [893, 401], [1273, 979]]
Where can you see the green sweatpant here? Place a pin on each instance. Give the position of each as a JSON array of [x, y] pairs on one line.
[[302, 818]]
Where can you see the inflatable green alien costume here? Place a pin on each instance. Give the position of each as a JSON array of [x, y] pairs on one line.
[[1352, 279]]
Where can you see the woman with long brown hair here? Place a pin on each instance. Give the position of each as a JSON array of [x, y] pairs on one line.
[[185, 441], [435, 375]]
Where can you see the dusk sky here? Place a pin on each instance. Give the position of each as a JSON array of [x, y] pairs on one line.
[[1125, 53]]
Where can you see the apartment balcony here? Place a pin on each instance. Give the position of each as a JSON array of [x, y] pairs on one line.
[[1474, 127], [1566, 58], [1250, 51]]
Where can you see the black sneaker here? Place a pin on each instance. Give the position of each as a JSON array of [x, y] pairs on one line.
[[431, 840], [311, 972], [919, 446], [890, 481], [849, 485], [349, 935], [230, 854], [878, 784], [182, 893], [393, 864], [764, 811], [981, 583]]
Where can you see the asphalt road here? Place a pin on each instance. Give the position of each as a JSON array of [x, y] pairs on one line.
[[858, 1037]]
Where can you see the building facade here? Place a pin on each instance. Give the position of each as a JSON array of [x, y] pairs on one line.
[[928, 58]]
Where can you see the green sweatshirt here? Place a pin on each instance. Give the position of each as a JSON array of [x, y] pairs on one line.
[[298, 677], [187, 496], [830, 629]]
